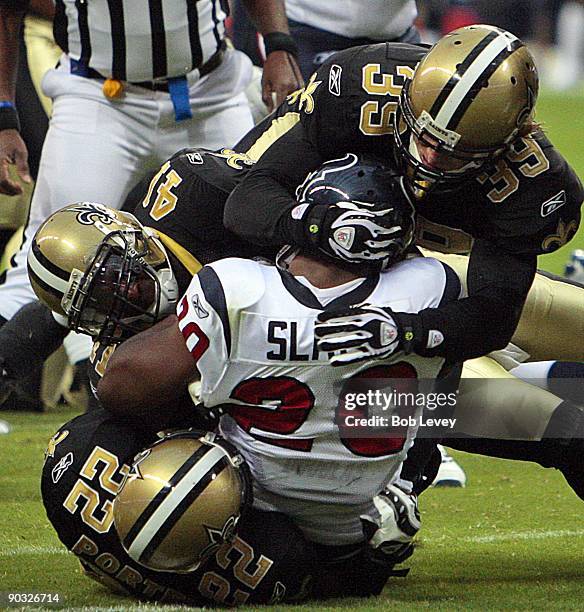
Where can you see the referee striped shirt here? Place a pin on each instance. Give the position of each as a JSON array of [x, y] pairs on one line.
[[140, 40]]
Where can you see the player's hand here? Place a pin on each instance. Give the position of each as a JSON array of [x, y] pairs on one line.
[[13, 152], [356, 333], [361, 232], [281, 76], [399, 521]]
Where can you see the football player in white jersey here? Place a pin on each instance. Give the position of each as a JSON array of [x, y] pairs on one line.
[[245, 329]]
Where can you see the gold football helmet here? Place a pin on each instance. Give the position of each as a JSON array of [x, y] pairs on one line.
[[470, 97], [102, 269], [181, 500]]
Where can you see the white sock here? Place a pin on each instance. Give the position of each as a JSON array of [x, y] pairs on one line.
[[535, 372]]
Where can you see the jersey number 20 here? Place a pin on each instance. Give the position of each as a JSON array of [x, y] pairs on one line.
[[281, 404]]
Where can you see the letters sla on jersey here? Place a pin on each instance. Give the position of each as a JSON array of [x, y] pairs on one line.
[[262, 361]]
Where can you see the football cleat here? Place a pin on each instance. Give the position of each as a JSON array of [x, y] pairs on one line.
[[392, 534], [575, 267], [450, 474]]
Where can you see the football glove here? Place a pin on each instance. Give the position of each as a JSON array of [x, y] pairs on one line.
[[392, 534], [356, 333], [355, 232]]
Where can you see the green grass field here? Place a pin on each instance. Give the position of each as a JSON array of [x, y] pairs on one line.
[[560, 116], [513, 539]]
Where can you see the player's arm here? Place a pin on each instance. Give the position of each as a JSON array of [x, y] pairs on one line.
[[373, 331], [498, 283], [310, 127], [501, 270], [281, 74], [260, 208], [148, 373], [12, 148], [455, 329]]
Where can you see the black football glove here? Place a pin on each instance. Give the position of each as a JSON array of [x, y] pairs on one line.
[[355, 232], [361, 332], [357, 333]]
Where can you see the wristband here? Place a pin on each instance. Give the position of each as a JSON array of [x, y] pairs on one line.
[[296, 226], [411, 333], [8, 116], [280, 41]]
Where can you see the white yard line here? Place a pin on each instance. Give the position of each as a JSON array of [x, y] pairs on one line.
[[488, 539], [524, 535], [32, 550]]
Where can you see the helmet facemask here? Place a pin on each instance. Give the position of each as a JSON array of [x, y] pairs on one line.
[[128, 287], [469, 98], [420, 177]]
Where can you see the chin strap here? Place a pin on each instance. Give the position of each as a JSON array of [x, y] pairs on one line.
[[169, 293]]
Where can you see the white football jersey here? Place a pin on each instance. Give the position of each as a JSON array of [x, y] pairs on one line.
[[250, 328]]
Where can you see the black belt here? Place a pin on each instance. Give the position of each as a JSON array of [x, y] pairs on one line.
[[213, 62]]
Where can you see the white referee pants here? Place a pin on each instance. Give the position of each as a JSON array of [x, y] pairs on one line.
[[97, 149]]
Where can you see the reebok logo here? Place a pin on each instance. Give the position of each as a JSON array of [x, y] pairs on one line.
[[334, 84], [61, 467], [555, 202], [200, 310], [195, 158]]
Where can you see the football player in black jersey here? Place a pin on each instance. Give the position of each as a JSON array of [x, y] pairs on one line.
[[458, 121], [85, 463]]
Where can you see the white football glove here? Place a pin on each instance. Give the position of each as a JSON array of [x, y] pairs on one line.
[[357, 333]]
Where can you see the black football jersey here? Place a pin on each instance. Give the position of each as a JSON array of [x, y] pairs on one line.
[[527, 203], [185, 201], [85, 463]]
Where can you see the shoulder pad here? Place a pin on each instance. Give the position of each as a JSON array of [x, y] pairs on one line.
[[243, 281], [421, 281]]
